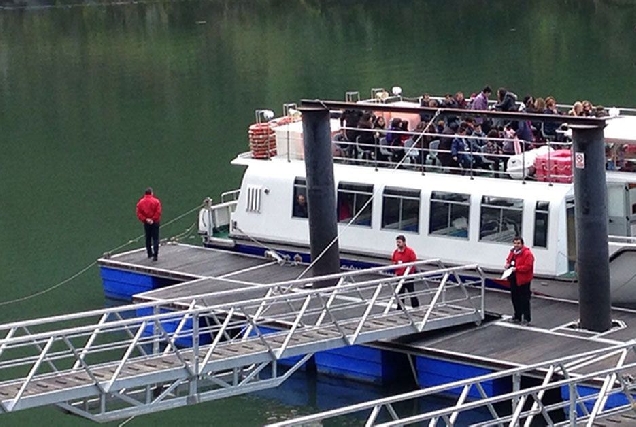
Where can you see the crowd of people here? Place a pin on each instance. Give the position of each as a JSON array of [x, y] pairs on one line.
[[464, 141]]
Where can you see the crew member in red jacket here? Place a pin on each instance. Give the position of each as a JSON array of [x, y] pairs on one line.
[[521, 260], [149, 212], [403, 254]]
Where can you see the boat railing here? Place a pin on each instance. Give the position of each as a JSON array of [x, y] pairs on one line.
[[215, 219], [230, 196], [381, 95], [423, 152]]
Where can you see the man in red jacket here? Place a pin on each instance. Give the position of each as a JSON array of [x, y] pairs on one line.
[[149, 212], [521, 260], [403, 254]]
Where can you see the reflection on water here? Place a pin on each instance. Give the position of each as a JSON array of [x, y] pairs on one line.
[[99, 101]]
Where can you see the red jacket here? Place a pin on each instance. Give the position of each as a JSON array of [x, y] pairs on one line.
[[523, 263], [407, 255], [149, 207]]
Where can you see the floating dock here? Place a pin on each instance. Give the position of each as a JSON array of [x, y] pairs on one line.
[[213, 324], [440, 356]]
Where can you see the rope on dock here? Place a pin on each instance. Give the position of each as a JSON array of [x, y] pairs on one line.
[[107, 253]]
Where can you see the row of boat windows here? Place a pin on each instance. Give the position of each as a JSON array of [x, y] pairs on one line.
[[500, 218]]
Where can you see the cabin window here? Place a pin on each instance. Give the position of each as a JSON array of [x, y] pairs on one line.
[[401, 209], [354, 201], [541, 215], [501, 219], [299, 203], [449, 214]]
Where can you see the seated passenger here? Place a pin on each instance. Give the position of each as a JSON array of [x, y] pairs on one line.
[[528, 104], [394, 139], [339, 145], [577, 109], [493, 148], [379, 125], [506, 100], [460, 149], [460, 101], [350, 119], [445, 143], [550, 128], [366, 138]]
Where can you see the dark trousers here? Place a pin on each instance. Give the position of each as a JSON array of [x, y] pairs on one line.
[[409, 286], [520, 295], [152, 239]]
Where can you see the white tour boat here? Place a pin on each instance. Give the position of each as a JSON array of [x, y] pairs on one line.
[[457, 218]]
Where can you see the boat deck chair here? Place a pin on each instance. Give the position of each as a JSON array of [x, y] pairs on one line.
[[432, 161]]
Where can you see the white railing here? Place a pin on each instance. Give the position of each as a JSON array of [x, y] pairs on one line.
[[214, 217]]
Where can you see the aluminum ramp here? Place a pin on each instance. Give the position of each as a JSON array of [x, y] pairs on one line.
[[112, 363], [612, 400]]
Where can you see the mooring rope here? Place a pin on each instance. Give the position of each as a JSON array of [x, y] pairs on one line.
[[108, 253], [406, 154]]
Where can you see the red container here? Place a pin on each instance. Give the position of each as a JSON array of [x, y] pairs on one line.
[[555, 166]]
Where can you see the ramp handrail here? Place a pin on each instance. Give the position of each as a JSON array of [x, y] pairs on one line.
[[558, 374], [109, 351]]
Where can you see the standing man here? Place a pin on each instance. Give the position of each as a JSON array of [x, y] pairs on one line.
[[403, 254], [149, 212], [480, 103], [521, 260]]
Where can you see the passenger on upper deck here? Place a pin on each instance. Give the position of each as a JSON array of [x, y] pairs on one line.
[[599, 111], [350, 119], [459, 149], [394, 139], [379, 124], [445, 142], [480, 103], [506, 100], [524, 132], [493, 147], [426, 117], [449, 101], [587, 108], [550, 128], [577, 109], [366, 137], [460, 100], [528, 104]]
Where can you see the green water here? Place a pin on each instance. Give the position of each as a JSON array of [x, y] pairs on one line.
[[97, 102]]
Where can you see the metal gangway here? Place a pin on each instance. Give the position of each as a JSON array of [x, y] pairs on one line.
[[129, 360], [595, 396]]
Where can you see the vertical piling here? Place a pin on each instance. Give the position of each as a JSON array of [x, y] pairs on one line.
[[321, 194], [592, 259]]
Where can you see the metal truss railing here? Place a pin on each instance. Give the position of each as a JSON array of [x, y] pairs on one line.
[[593, 386], [133, 359]]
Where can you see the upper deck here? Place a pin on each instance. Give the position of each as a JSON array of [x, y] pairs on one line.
[[424, 140]]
